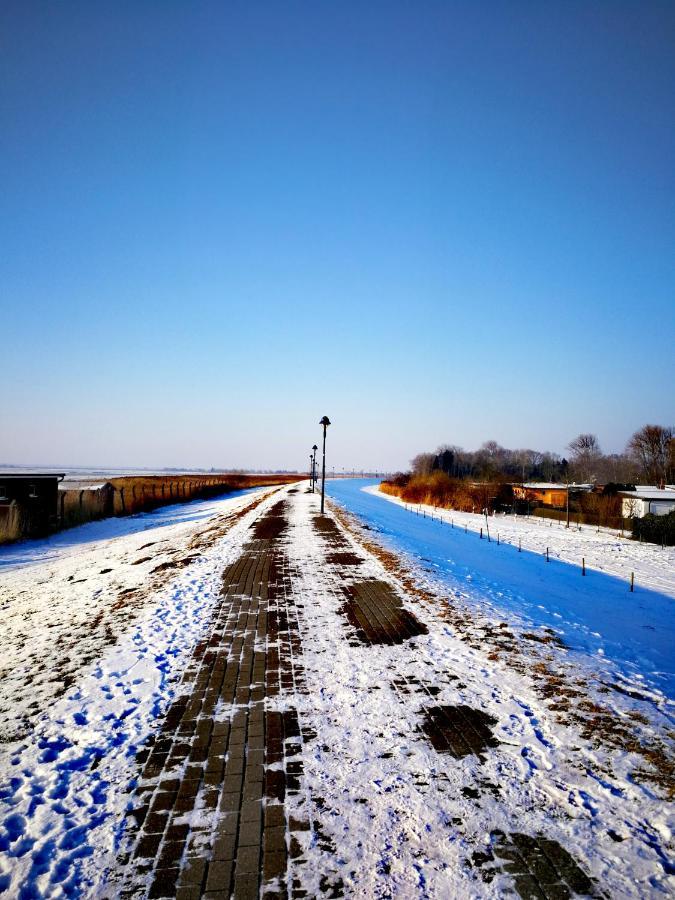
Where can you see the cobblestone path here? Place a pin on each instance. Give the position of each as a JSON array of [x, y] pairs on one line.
[[202, 826]]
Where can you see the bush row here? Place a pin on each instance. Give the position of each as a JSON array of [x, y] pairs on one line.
[[655, 529]]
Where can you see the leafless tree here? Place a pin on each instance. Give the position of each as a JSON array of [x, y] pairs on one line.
[[585, 451], [422, 464], [618, 468], [651, 448]]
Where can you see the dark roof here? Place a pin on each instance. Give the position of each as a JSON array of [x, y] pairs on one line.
[[27, 475]]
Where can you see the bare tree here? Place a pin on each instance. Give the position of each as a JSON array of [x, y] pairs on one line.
[[651, 448], [585, 451], [422, 464], [617, 468]]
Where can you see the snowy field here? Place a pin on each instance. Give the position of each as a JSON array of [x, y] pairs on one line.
[[66, 598], [68, 757], [630, 636], [407, 822], [603, 550]]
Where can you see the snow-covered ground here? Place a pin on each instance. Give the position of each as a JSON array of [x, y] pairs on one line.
[[603, 550], [631, 636], [397, 819], [65, 777], [406, 821], [64, 599]]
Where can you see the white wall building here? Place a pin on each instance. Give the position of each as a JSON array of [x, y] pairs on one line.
[[646, 499]]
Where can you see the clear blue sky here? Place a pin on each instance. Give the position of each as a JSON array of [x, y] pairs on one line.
[[434, 222]]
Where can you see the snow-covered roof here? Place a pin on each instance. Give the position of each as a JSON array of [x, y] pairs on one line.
[[553, 486], [651, 493], [80, 486], [24, 475]]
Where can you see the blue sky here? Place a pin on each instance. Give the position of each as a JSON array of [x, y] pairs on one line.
[[434, 222]]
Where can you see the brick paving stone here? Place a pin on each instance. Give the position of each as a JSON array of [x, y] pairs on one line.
[[199, 804]]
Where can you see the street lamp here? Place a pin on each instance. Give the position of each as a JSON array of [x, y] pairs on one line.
[[314, 448], [325, 421]]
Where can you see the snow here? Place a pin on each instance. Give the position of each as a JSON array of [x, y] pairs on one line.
[[404, 821], [68, 597], [397, 818], [65, 784], [70, 541], [597, 615], [603, 549]]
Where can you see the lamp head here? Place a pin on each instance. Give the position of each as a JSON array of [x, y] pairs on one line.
[[315, 447], [325, 421]]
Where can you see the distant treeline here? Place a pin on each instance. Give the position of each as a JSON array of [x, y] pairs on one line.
[[649, 458]]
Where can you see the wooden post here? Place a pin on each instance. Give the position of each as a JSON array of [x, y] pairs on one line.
[[519, 547], [583, 565], [481, 534], [547, 555], [632, 582]]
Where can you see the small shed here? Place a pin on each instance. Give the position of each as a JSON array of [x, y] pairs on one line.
[[28, 504], [549, 493], [647, 500]]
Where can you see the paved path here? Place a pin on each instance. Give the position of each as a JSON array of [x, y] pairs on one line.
[[204, 828], [224, 806]]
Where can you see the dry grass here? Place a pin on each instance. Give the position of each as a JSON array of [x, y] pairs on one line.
[[438, 489]]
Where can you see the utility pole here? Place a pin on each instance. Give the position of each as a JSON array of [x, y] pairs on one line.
[[325, 421]]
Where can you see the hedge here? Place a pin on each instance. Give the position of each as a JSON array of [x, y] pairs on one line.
[[655, 529]]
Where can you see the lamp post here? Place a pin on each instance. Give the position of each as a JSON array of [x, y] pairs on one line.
[[325, 421], [314, 448], [311, 471]]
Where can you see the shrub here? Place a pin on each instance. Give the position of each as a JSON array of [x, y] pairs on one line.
[[438, 489], [655, 529]]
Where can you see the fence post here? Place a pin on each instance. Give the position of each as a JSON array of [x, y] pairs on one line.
[[632, 582], [583, 565], [481, 534], [547, 554], [519, 547]]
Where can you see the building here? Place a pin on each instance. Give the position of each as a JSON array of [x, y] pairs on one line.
[[28, 504], [548, 493], [647, 500]]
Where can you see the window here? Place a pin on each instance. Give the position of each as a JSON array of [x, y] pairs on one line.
[[32, 491], [3, 492]]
